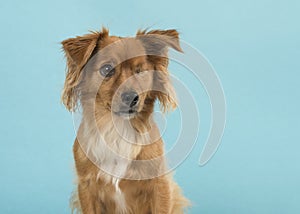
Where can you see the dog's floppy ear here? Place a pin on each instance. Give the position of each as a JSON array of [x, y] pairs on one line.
[[77, 51], [163, 89], [156, 43]]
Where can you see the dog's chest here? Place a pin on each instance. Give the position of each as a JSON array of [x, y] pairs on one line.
[[111, 192], [112, 150], [114, 159]]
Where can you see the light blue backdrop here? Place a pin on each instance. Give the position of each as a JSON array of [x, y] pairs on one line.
[[255, 49]]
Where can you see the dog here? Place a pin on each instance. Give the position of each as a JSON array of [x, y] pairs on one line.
[[118, 151]]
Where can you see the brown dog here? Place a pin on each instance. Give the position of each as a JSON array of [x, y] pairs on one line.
[[118, 150]]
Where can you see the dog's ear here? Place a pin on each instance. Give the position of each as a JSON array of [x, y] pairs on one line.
[[77, 51], [157, 43], [163, 89]]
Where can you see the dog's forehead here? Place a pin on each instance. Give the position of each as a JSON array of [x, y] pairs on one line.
[[123, 47]]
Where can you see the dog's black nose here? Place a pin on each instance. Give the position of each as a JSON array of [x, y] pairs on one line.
[[130, 98]]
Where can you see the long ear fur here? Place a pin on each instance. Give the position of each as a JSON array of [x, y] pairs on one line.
[[156, 43], [163, 89], [159, 40], [77, 51]]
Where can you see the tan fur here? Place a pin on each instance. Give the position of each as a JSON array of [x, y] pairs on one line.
[[101, 134]]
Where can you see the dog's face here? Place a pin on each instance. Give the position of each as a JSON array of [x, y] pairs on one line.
[[123, 76], [122, 84]]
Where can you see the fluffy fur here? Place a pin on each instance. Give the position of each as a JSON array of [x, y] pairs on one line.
[[108, 146]]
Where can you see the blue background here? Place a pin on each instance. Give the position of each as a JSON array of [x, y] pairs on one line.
[[254, 47]]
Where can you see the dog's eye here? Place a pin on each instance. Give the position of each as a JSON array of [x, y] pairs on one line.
[[107, 70], [138, 70]]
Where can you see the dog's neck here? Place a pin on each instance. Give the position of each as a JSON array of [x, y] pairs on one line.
[[111, 141]]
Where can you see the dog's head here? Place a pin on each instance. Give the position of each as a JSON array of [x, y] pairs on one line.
[[120, 75]]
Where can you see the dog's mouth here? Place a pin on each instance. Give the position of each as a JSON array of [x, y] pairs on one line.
[[130, 113]]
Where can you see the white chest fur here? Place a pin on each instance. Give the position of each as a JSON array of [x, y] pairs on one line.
[[112, 146]]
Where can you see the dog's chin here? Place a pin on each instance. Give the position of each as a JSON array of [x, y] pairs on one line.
[[129, 114]]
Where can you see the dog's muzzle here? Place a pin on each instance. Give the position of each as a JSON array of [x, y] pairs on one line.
[[130, 100]]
